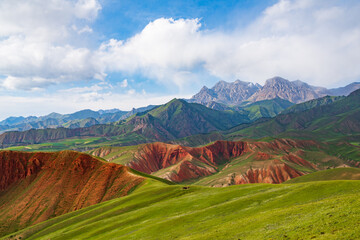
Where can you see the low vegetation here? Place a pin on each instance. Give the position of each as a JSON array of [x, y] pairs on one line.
[[312, 210]]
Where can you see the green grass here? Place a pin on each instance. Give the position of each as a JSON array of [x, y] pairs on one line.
[[321, 210], [330, 174], [120, 155], [82, 144]]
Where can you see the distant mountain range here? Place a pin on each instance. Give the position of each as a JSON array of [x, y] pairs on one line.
[[175, 119], [322, 118], [251, 100], [238, 92], [83, 118]]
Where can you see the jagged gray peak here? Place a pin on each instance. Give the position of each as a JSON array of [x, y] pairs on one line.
[[227, 93], [237, 92], [295, 91]]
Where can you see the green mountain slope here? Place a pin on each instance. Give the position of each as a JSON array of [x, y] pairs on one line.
[[320, 210], [167, 122], [183, 119], [267, 108], [256, 110], [322, 122], [312, 103], [330, 174]]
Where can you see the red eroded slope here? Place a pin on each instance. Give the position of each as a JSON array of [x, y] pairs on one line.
[[272, 162], [37, 186], [275, 172], [185, 163]]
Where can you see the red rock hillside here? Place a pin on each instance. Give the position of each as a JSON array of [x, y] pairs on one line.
[[184, 163], [232, 162], [37, 186]]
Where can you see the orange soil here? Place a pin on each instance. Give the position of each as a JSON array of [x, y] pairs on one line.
[[37, 186]]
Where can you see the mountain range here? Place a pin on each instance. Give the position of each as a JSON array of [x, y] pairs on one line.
[[249, 99], [83, 118], [173, 120], [180, 119], [238, 92]]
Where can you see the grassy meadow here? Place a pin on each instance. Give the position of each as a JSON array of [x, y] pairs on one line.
[[311, 210]]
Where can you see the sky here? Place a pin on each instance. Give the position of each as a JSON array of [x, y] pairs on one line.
[[68, 55]]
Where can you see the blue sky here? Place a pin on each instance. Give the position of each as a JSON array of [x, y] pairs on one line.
[[102, 54]]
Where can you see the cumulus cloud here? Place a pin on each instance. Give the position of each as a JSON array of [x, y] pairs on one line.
[[311, 40], [36, 47], [162, 50], [316, 41]]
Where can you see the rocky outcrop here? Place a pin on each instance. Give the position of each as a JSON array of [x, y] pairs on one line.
[[37, 186]]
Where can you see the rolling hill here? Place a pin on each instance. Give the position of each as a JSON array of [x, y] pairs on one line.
[[38, 186], [312, 210], [335, 119]]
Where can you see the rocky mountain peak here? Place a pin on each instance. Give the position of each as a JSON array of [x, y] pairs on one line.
[[295, 91], [234, 93], [276, 81], [226, 92]]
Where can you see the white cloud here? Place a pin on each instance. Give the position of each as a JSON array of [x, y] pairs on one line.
[[160, 51], [68, 102], [36, 39], [85, 29], [87, 9], [124, 83], [131, 92], [315, 41]]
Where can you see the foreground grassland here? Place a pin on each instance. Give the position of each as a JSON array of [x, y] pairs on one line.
[[319, 210]]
